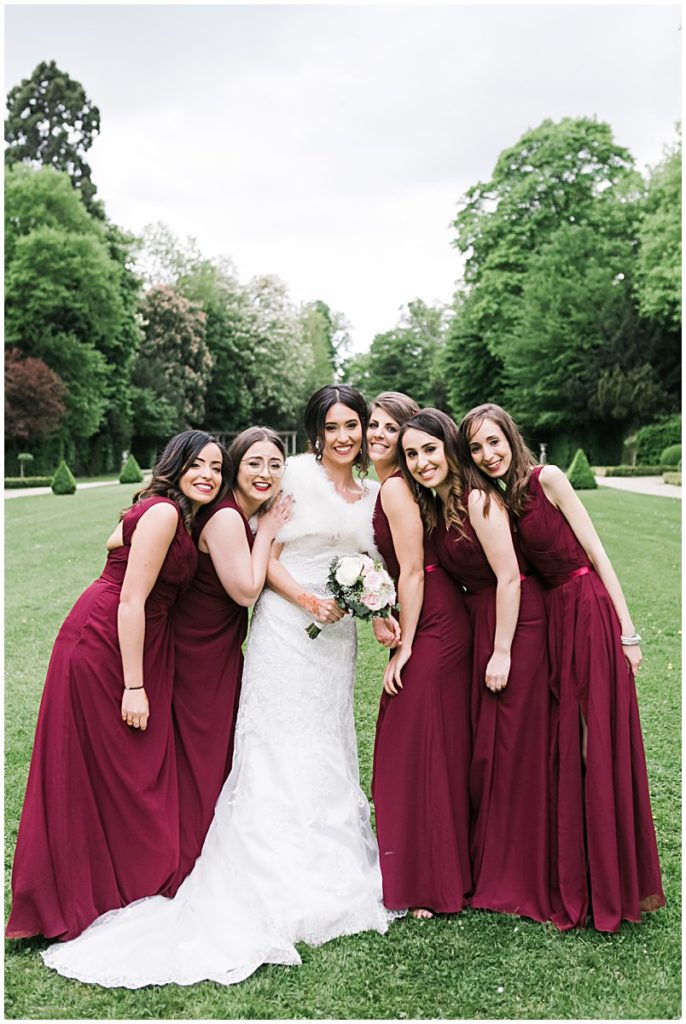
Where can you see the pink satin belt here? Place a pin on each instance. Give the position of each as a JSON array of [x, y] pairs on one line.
[[583, 571]]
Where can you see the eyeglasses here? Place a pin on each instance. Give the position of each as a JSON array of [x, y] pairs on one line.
[[256, 466]]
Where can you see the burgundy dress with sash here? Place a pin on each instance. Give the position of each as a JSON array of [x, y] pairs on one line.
[[604, 854], [420, 783], [508, 777], [100, 825], [209, 629]]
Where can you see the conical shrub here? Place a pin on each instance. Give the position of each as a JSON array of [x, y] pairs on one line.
[[131, 473], [63, 481], [580, 474]]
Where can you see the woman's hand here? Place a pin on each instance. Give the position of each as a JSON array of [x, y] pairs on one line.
[[497, 671], [633, 656], [135, 710], [391, 676], [278, 515], [321, 609], [386, 631]]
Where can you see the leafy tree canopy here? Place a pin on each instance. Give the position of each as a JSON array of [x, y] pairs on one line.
[[51, 121], [34, 394], [658, 275]]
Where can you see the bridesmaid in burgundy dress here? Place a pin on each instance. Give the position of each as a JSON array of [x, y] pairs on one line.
[[420, 783], [100, 825], [509, 690], [210, 622], [604, 854]]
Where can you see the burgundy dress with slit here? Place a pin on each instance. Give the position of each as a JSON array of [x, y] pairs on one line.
[[420, 783], [209, 629], [508, 776], [604, 855], [100, 825]]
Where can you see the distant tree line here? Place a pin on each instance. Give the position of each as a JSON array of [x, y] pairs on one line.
[[569, 311]]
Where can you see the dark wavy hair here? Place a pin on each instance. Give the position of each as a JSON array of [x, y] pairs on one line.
[[315, 418], [516, 479], [242, 443], [440, 426], [176, 458], [394, 403]]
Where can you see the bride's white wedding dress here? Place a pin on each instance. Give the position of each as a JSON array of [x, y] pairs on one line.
[[290, 855]]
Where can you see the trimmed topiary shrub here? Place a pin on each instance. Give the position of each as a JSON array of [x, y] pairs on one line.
[[131, 473], [580, 474], [655, 437], [671, 456], [14, 482], [633, 471], [63, 481]]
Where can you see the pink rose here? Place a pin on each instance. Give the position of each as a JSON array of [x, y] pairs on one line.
[[373, 582], [372, 601]]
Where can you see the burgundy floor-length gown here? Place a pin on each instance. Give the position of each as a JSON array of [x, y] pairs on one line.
[[508, 776], [420, 783], [209, 629], [604, 853], [100, 827]]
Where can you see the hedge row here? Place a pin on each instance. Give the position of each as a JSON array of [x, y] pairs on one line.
[[633, 470], [672, 478], [12, 482]]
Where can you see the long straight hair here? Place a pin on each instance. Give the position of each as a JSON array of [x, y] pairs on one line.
[[176, 458], [438, 425], [516, 480]]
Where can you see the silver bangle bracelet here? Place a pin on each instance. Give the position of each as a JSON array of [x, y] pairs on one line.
[[631, 641]]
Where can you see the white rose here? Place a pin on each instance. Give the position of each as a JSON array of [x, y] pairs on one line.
[[349, 568]]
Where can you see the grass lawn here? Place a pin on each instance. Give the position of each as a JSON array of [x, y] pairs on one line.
[[475, 965]]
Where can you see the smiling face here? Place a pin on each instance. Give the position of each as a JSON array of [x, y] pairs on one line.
[[382, 436], [426, 459], [203, 478], [490, 449], [259, 473], [342, 435]]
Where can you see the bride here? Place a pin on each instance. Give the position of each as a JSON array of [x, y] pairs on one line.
[[290, 855]]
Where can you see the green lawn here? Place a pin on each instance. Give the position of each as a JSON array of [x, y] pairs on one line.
[[477, 965]]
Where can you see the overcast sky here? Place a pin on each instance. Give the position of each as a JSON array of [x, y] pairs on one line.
[[330, 144]]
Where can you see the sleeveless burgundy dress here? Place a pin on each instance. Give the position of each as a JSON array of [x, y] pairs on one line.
[[209, 629], [420, 783], [508, 777], [604, 854], [100, 825]]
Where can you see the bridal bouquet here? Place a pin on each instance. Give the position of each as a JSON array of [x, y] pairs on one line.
[[360, 586]]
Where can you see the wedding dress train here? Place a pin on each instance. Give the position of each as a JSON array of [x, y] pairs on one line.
[[290, 855]]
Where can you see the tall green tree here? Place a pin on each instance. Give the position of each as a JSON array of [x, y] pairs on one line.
[[172, 369], [51, 121], [406, 358], [658, 274], [570, 172]]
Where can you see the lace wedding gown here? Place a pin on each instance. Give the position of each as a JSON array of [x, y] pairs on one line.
[[290, 855]]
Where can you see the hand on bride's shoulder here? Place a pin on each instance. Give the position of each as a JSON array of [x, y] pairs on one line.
[[280, 513]]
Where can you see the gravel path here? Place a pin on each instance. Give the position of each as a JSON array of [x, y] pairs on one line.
[[653, 485], [28, 492]]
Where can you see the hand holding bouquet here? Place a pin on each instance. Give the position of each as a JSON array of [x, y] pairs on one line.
[[360, 586]]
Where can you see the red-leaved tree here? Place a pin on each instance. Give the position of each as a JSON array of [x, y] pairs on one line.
[[33, 398]]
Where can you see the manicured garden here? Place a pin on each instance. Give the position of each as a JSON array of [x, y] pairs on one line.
[[476, 965]]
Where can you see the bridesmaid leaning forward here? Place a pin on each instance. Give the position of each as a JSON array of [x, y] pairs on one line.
[[604, 854], [100, 824], [509, 688], [210, 621], [421, 755]]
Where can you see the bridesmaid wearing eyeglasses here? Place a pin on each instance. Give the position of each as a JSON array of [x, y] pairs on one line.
[[210, 622]]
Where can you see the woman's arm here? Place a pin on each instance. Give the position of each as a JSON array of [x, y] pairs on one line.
[[407, 531], [493, 532], [562, 495], [242, 572], [281, 581], [149, 544]]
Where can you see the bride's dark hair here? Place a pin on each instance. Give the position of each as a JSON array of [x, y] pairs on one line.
[[176, 458], [315, 418]]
